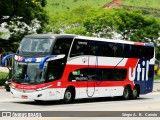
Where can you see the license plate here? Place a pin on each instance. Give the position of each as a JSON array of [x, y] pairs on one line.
[[24, 97]]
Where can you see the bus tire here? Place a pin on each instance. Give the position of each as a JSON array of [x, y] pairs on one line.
[[126, 93], [7, 90], [39, 101], [68, 96], [135, 93]]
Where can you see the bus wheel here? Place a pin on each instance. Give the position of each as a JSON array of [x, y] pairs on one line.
[[135, 93], [126, 93], [39, 101], [68, 96]]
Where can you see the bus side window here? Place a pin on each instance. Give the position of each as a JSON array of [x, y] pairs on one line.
[[78, 75], [147, 52], [126, 50], [77, 50], [80, 47], [105, 50], [120, 50], [62, 46], [110, 74], [93, 50]]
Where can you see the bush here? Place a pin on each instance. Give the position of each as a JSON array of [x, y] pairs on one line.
[[3, 78], [2, 81]]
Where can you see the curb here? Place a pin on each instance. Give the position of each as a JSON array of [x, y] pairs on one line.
[[4, 69], [158, 90], [156, 81], [1, 87]]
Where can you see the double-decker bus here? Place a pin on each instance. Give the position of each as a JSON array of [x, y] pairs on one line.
[[67, 67]]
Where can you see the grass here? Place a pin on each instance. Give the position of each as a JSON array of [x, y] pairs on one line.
[[148, 7], [3, 75], [157, 77], [3, 78], [143, 3], [56, 6]]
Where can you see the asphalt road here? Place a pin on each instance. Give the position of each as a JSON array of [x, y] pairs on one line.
[[149, 102]]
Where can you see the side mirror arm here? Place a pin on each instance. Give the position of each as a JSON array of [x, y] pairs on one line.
[[49, 57], [41, 65], [5, 58]]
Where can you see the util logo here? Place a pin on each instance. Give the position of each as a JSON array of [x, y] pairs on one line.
[[140, 72]]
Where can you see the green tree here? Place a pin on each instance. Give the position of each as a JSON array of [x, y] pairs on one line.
[[70, 21], [19, 14], [128, 24], [27, 9], [132, 25], [43, 3]]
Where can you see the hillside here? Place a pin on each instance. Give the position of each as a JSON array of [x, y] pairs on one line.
[[143, 3], [55, 6], [149, 7]]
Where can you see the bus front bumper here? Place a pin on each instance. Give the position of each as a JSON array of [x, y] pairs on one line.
[[47, 94]]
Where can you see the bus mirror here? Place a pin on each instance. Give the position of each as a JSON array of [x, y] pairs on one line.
[[50, 57], [44, 70], [41, 65], [5, 58]]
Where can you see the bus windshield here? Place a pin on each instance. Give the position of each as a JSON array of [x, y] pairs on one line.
[[28, 73], [35, 45]]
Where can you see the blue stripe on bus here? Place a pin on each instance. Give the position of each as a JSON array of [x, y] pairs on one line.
[[147, 44], [146, 86], [29, 59]]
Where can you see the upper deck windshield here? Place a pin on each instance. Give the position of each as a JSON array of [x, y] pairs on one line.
[[40, 46]]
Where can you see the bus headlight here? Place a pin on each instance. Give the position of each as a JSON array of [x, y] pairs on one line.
[[40, 89], [12, 86]]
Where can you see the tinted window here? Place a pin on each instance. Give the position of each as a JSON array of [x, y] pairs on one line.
[[55, 70], [147, 52], [80, 47], [134, 52], [33, 46], [141, 51], [125, 50], [54, 73], [62, 46], [93, 49], [107, 49], [106, 74]]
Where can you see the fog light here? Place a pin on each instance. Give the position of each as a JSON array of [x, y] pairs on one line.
[[39, 95]]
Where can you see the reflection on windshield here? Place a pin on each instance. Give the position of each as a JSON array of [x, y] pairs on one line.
[[28, 73], [35, 45]]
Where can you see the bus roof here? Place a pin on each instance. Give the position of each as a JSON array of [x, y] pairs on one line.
[[115, 41], [50, 36], [87, 38]]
